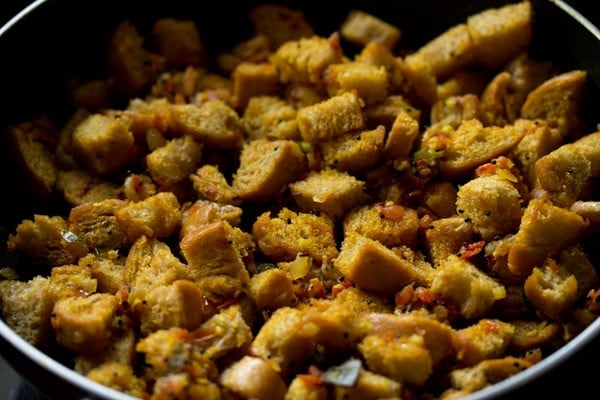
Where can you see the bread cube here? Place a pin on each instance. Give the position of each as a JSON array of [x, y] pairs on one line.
[[179, 41], [284, 237], [500, 34], [158, 216], [251, 80], [372, 266], [213, 123], [304, 60], [330, 118], [175, 161], [544, 230], [368, 80], [463, 284], [103, 144], [363, 28], [329, 191], [266, 167]]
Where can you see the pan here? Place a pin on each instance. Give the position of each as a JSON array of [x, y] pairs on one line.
[[51, 41]]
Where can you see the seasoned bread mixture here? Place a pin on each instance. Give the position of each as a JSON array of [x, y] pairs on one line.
[[286, 220]]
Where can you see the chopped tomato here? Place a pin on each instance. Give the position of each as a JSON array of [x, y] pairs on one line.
[[471, 249]]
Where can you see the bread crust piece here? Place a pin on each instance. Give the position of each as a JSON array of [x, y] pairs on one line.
[[331, 118], [363, 28], [558, 101], [266, 168], [544, 230], [472, 144], [329, 191], [372, 266], [283, 237]]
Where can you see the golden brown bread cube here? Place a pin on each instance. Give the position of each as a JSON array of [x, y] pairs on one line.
[[252, 377], [280, 341], [179, 304], [354, 152], [96, 224], [179, 41], [551, 289], [228, 329], [149, 264], [544, 230], [453, 110], [305, 60], [421, 82], [538, 141], [212, 251], [213, 123], [472, 144], [118, 376], [558, 102], [500, 34], [486, 373], [440, 197], [210, 184], [272, 289], [167, 352], [330, 118], [488, 338], [336, 323], [329, 191], [120, 349], [83, 324], [446, 53], [175, 161], [589, 146], [107, 269], [378, 54], [556, 286], [402, 358], [493, 205], [372, 266], [369, 385], [103, 144], [270, 117], [251, 80], [47, 240], [301, 388], [533, 334], [363, 28], [460, 282], [368, 80], [289, 234], [26, 309], [32, 144], [437, 336], [280, 24], [563, 174], [266, 168], [504, 94], [390, 224], [131, 66], [401, 136], [204, 212], [445, 236], [72, 280], [385, 113], [462, 82], [79, 187], [158, 216]]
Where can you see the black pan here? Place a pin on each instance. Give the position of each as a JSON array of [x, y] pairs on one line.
[[53, 40]]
